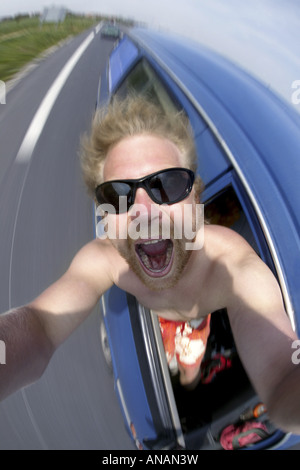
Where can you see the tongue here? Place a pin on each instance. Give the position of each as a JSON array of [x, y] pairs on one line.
[[157, 253], [157, 262], [155, 249]]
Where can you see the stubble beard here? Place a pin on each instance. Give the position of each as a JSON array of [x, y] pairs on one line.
[[180, 260]]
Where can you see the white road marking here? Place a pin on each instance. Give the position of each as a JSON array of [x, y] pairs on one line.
[[98, 27], [37, 124], [35, 129], [24, 156]]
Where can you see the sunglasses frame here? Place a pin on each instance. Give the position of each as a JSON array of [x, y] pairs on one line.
[[142, 183]]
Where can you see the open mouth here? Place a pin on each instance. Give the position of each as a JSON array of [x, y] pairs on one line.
[[155, 256]]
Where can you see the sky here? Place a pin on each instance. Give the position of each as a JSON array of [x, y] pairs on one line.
[[262, 36]]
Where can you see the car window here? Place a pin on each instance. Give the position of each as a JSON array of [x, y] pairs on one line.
[[144, 80], [225, 209]]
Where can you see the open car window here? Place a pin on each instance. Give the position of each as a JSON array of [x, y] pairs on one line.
[[225, 209], [144, 80]]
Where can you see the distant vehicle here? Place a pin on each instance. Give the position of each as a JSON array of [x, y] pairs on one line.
[[110, 31], [248, 145]]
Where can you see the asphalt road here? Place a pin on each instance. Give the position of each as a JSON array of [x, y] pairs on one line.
[[45, 217]]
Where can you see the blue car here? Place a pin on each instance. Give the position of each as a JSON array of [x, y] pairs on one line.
[[248, 146]]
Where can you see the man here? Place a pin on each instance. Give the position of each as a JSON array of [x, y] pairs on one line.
[[136, 154]]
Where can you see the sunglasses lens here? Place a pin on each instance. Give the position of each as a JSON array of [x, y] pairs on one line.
[[170, 186], [110, 192]]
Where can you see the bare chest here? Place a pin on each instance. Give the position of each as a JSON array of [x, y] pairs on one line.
[[176, 304]]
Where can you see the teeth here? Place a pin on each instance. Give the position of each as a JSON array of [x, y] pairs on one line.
[[151, 242], [145, 260]]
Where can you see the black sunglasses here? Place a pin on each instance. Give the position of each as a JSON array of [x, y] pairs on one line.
[[163, 187]]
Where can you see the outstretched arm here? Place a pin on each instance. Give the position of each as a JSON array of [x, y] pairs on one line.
[[264, 338], [33, 332], [28, 349]]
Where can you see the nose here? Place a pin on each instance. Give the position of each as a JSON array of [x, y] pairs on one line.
[[142, 204], [147, 213]]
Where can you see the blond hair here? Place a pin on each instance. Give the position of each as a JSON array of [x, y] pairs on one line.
[[135, 115]]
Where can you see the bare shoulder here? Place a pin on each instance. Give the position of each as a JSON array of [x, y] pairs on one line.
[[94, 261], [91, 253], [226, 241], [68, 301], [230, 249], [246, 278], [87, 278], [251, 291]]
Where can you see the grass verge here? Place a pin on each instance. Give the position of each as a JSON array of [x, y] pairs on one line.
[[22, 40]]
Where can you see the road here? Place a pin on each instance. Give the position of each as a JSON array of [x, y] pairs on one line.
[[45, 217]]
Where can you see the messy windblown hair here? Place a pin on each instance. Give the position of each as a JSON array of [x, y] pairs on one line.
[[134, 115]]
